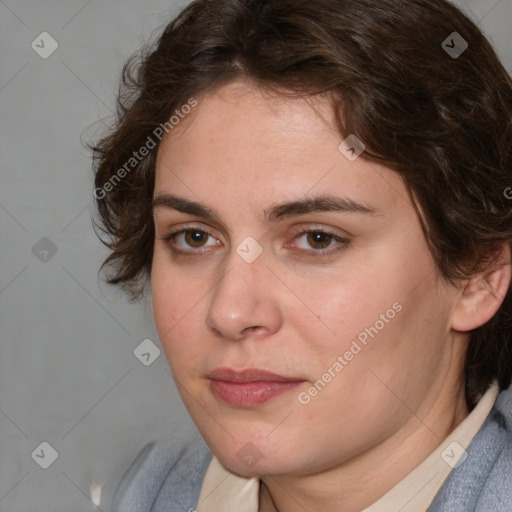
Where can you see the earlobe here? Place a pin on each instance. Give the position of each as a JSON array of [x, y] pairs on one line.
[[483, 294]]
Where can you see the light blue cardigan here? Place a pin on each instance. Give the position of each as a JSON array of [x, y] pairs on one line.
[[167, 475]]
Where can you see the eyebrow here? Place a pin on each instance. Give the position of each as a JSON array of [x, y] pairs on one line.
[[322, 203]]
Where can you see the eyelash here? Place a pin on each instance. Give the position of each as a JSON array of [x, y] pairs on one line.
[[319, 253]]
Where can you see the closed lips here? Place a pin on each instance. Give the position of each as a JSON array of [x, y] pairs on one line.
[[248, 375]]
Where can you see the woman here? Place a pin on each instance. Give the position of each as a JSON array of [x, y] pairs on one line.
[[315, 193]]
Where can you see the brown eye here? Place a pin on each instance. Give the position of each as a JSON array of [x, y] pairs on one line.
[[186, 241], [319, 240], [318, 243], [195, 238]]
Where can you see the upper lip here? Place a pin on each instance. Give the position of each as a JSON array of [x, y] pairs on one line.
[[248, 375]]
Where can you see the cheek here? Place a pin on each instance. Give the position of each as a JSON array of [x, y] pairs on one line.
[[176, 301], [174, 292], [166, 308], [386, 303], [346, 304], [180, 301]]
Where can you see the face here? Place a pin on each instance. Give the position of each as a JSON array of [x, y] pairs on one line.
[[277, 253]]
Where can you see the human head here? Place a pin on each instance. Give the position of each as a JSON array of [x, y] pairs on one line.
[[442, 123]]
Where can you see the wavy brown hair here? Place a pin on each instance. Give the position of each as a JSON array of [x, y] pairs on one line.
[[443, 122]]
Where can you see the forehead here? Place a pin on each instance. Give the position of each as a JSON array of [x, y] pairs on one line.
[[249, 143], [239, 118]]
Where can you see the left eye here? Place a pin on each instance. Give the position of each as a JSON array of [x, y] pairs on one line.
[[319, 240]]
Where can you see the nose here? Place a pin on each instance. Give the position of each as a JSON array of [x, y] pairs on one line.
[[244, 300]]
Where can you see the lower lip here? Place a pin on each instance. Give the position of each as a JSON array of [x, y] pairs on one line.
[[249, 393]]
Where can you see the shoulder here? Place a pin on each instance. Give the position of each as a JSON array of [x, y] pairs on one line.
[[496, 494], [483, 482], [167, 475]]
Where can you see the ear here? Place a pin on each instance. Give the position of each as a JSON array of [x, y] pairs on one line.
[[482, 295]]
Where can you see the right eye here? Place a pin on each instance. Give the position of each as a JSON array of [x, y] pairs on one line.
[[180, 242]]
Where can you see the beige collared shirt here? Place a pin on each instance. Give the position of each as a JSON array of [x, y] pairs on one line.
[[223, 490]]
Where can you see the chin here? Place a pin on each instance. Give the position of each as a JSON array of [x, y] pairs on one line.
[[249, 458], [247, 469]]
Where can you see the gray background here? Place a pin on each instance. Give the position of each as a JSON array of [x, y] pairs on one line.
[[68, 374]]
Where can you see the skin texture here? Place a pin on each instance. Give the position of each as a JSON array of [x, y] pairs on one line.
[[289, 312]]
